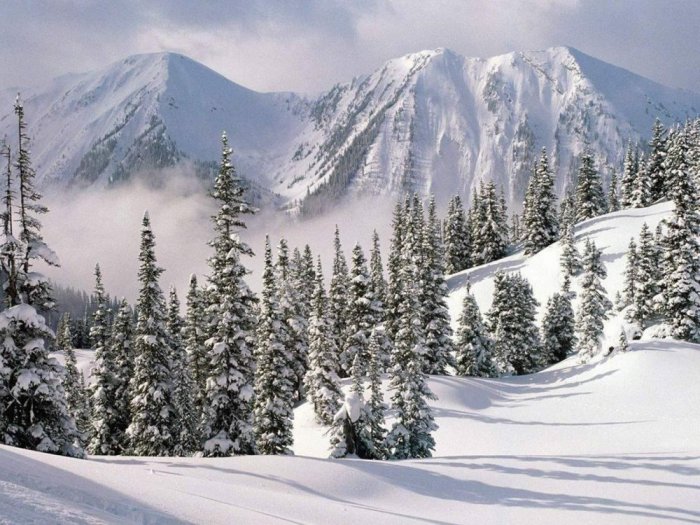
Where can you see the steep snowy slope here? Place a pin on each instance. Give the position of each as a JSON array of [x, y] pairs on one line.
[[432, 121], [438, 122]]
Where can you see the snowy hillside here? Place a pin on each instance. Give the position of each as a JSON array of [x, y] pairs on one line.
[[432, 121], [611, 234], [612, 441]]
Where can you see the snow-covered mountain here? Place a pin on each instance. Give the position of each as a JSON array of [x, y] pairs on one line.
[[432, 121], [145, 112]]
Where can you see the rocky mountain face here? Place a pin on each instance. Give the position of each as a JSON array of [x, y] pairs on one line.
[[433, 121]]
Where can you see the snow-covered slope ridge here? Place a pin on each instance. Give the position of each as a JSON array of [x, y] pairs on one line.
[[432, 121]]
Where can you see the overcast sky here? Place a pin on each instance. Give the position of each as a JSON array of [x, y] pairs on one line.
[[308, 45]]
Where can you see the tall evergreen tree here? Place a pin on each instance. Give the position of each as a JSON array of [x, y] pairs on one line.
[[613, 198], [594, 304], [630, 284], [183, 385], [681, 257], [322, 386], [558, 327], [655, 164], [540, 220], [642, 196], [194, 337], [489, 233], [274, 376], [411, 434], [76, 396], [361, 317], [379, 288], [646, 279], [567, 213], [376, 408], [33, 409], [517, 344], [338, 299], [628, 184], [436, 316], [105, 435], [292, 309], [456, 236], [570, 259], [474, 346], [121, 350], [151, 431], [227, 422], [590, 201], [395, 263]]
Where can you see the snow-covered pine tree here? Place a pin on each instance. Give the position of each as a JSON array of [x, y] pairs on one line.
[[681, 258], [76, 396], [361, 318], [517, 345], [646, 277], [152, 428], [187, 440], [628, 184], [338, 299], [395, 263], [436, 316], [516, 232], [613, 198], [655, 167], [376, 408], [379, 288], [456, 236], [322, 386], [567, 213], [488, 226], [121, 349], [641, 196], [60, 342], [194, 338], [291, 307], [411, 434], [473, 345], [623, 344], [558, 327], [630, 283], [304, 276], [274, 376], [540, 220], [594, 305], [227, 421], [570, 259], [590, 200], [33, 409], [104, 435]]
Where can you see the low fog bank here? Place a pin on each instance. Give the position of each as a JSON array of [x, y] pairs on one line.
[[103, 226]]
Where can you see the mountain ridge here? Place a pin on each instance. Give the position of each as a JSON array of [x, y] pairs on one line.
[[433, 121]]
